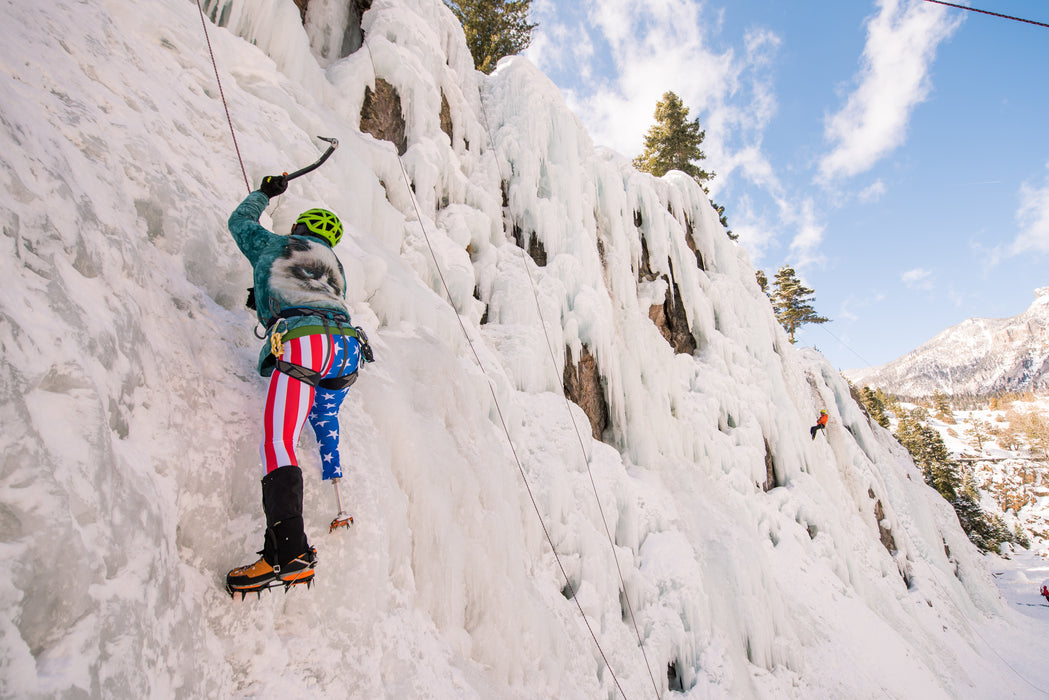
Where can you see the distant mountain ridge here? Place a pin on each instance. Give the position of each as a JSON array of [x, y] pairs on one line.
[[978, 356]]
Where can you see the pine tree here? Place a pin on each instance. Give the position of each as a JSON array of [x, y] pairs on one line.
[[942, 407], [494, 28], [930, 454], [979, 433], [673, 143], [763, 280], [875, 406], [792, 301], [722, 219]]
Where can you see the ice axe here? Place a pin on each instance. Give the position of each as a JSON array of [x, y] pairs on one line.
[[310, 168]]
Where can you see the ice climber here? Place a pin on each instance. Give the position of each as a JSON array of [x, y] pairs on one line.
[[311, 357], [821, 423]]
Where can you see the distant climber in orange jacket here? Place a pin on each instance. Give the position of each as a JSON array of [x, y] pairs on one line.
[[821, 423]]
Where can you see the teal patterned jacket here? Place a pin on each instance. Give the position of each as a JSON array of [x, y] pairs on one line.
[[290, 272]]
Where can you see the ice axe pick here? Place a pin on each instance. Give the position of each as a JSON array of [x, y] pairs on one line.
[[334, 143]]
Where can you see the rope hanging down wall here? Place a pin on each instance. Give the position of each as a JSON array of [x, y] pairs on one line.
[[502, 420], [477, 358], [218, 80], [575, 426]]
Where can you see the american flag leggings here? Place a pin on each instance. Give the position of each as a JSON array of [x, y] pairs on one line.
[[289, 402]]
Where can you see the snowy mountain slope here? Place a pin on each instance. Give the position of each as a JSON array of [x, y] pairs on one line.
[[129, 469], [978, 356]]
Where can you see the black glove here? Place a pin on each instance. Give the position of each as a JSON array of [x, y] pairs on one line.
[[273, 185]]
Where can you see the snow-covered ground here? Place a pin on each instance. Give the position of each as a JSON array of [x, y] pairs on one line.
[[1020, 575], [129, 401]]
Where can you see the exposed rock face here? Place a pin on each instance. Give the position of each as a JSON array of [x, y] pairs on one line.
[[978, 356], [534, 246], [381, 115], [672, 322], [670, 317], [770, 469], [302, 5], [583, 387], [446, 117], [691, 241], [884, 533]]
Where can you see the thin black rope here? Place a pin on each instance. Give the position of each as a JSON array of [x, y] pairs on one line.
[[506, 430], [225, 106], [499, 412], [575, 426], [987, 12], [846, 345]]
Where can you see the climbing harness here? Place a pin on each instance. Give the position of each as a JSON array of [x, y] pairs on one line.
[[342, 330]]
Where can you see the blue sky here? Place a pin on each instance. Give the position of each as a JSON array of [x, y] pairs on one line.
[[894, 152]]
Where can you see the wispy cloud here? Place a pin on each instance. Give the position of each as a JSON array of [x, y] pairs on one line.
[[873, 192], [851, 307], [642, 48], [893, 79], [805, 246], [918, 278], [618, 57], [1033, 218]]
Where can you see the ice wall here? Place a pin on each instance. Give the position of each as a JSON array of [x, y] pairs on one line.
[[754, 561]]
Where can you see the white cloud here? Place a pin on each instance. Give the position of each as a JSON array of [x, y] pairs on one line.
[[918, 278], [1033, 217], [848, 315], [873, 192], [636, 50], [805, 245], [755, 233], [642, 48], [893, 79], [560, 41]]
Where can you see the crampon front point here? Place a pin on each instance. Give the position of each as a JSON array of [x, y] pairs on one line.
[[257, 589], [260, 576]]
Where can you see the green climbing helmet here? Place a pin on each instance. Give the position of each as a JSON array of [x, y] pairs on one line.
[[320, 223]]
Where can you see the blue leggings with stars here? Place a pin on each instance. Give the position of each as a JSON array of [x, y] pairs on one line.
[[324, 415]]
